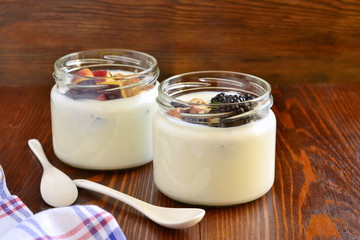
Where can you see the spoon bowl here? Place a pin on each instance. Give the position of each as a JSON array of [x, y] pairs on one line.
[[58, 190]]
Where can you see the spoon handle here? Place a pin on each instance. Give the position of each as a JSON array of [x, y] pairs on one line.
[[176, 218], [96, 187], [37, 149]]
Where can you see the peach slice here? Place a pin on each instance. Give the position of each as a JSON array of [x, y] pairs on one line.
[[84, 74], [117, 80], [129, 92]]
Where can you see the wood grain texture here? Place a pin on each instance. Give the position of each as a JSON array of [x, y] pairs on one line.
[[316, 194], [279, 40]]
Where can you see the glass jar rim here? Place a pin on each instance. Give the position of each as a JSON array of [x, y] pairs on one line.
[[245, 107], [212, 72], [67, 64]]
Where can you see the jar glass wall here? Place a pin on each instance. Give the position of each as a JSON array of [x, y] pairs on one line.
[[102, 106], [214, 138]]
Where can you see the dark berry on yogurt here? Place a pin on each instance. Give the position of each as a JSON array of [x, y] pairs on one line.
[[222, 98]]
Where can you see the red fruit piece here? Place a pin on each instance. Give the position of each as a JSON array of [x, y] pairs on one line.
[[101, 75], [101, 97]]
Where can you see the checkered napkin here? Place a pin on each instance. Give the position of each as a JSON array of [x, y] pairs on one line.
[[74, 222]]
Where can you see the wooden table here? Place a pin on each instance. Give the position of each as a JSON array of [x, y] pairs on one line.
[[316, 194]]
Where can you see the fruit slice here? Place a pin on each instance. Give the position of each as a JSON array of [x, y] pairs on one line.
[[114, 94], [133, 91], [111, 82], [82, 93], [101, 97], [101, 75], [129, 92], [84, 77], [116, 80]]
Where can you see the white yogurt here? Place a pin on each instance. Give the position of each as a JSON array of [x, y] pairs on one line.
[[213, 166], [103, 135]]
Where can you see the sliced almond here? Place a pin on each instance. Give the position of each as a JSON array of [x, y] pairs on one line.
[[199, 109], [174, 113], [197, 100]]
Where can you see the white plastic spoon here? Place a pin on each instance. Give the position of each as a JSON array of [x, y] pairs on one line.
[[57, 189], [176, 218]]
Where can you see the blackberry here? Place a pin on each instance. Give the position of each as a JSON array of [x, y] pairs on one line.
[[248, 96], [218, 98], [222, 98], [234, 108], [195, 120], [221, 105], [178, 105]]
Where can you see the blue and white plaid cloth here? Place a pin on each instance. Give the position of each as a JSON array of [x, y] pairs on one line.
[[74, 222]]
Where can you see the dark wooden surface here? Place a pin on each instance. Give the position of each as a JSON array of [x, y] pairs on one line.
[[316, 194], [282, 41]]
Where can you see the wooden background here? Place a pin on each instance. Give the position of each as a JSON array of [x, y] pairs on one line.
[[282, 41]]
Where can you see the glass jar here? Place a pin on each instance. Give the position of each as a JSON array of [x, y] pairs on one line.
[[214, 138], [102, 107]]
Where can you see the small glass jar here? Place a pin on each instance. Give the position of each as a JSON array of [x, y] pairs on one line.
[[102, 107], [214, 138]]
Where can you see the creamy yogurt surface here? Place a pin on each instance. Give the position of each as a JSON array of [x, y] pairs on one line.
[[205, 165], [99, 135]]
